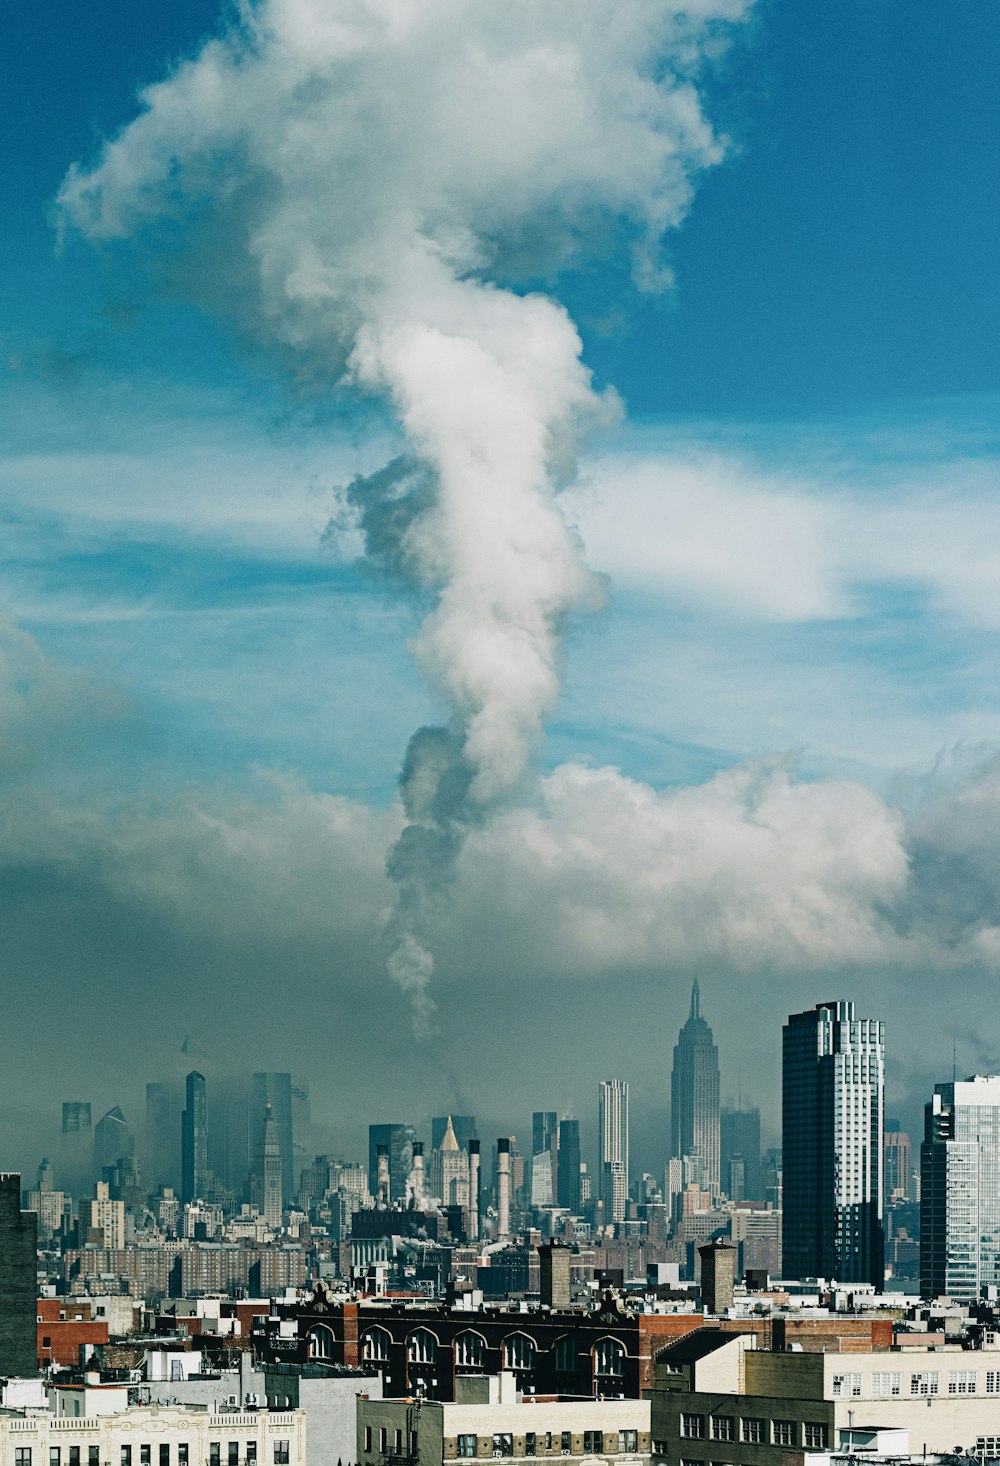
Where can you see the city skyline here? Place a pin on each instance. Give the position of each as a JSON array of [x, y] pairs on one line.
[[364, 675]]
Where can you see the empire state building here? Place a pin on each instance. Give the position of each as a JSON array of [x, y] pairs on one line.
[[694, 1094]]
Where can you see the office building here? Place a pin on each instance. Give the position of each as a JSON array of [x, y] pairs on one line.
[[833, 1084], [75, 1151], [194, 1140], [464, 1127], [694, 1094], [160, 1150], [18, 1287], [544, 1131], [449, 1177], [104, 1215], [612, 1136], [568, 1166], [898, 1163], [270, 1172], [960, 1189], [113, 1141], [398, 1140], [739, 1152], [275, 1089]]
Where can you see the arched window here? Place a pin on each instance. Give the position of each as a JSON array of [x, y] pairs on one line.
[[518, 1352], [320, 1342], [375, 1346], [609, 1357], [566, 1355], [421, 1347], [470, 1349]]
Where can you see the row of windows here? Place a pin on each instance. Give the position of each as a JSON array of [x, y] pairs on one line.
[[470, 1350], [237, 1452], [888, 1384], [595, 1443], [397, 1441], [755, 1431]]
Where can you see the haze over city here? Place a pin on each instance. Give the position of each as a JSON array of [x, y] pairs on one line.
[[499, 524]]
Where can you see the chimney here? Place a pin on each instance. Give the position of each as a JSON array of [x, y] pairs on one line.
[[382, 1163], [503, 1188], [718, 1268], [417, 1174], [473, 1227], [554, 1275]]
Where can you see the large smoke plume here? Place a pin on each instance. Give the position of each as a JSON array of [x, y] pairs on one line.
[[365, 184]]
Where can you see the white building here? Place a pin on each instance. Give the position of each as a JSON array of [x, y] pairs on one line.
[[612, 1168]]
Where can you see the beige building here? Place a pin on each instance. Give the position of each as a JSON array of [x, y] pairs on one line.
[[147, 1436], [449, 1171], [106, 1214], [493, 1420], [718, 1399]]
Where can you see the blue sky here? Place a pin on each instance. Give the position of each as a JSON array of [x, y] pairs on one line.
[[796, 512]]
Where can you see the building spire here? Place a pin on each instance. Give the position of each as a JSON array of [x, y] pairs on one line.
[[695, 1001]]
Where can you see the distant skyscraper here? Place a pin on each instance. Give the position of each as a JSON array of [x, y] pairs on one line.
[[898, 1160], [739, 1135], [275, 1089], [113, 1140], [568, 1166], [230, 1146], [301, 1127], [18, 1283], [399, 1139], [270, 1170], [160, 1150], [75, 1117], [544, 1131], [449, 1178], [194, 1140], [464, 1127], [612, 1123], [833, 1083], [694, 1094], [960, 1189], [75, 1150]]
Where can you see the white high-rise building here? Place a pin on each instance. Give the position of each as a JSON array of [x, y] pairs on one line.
[[833, 1111], [960, 1189], [612, 1168]]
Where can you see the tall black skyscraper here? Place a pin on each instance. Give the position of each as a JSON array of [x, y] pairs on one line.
[[544, 1131], [568, 1168], [194, 1139], [832, 1097], [694, 1094], [160, 1151], [18, 1282], [739, 1136]]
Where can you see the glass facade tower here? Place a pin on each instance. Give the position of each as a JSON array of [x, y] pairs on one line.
[[833, 1088], [960, 1189]]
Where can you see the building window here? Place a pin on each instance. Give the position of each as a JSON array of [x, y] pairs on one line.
[[686, 1461], [234, 1453], [924, 1383], [783, 1432], [468, 1445], [375, 1346], [846, 1386], [628, 1442], [470, 1350], [814, 1436], [251, 1453], [214, 1454], [74, 1456], [22, 1456], [993, 1381], [723, 1428], [593, 1442], [383, 1440], [146, 1455], [126, 1457], [566, 1355], [887, 1384], [93, 1456], [988, 1447], [184, 1454], [566, 1442], [962, 1382], [320, 1343], [693, 1426], [752, 1431], [54, 1456], [368, 1437], [421, 1347], [503, 1443], [518, 1352], [281, 1453], [413, 1443], [529, 1443], [609, 1357], [397, 1441]]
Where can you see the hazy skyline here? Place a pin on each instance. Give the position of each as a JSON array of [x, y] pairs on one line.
[[616, 392]]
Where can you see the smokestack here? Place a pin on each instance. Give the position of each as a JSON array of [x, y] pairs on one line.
[[382, 1162], [473, 1225], [503, 1189], [417, 1174]]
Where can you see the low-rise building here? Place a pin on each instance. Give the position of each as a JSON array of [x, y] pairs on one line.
[[719, 1398], [493, 1419]]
